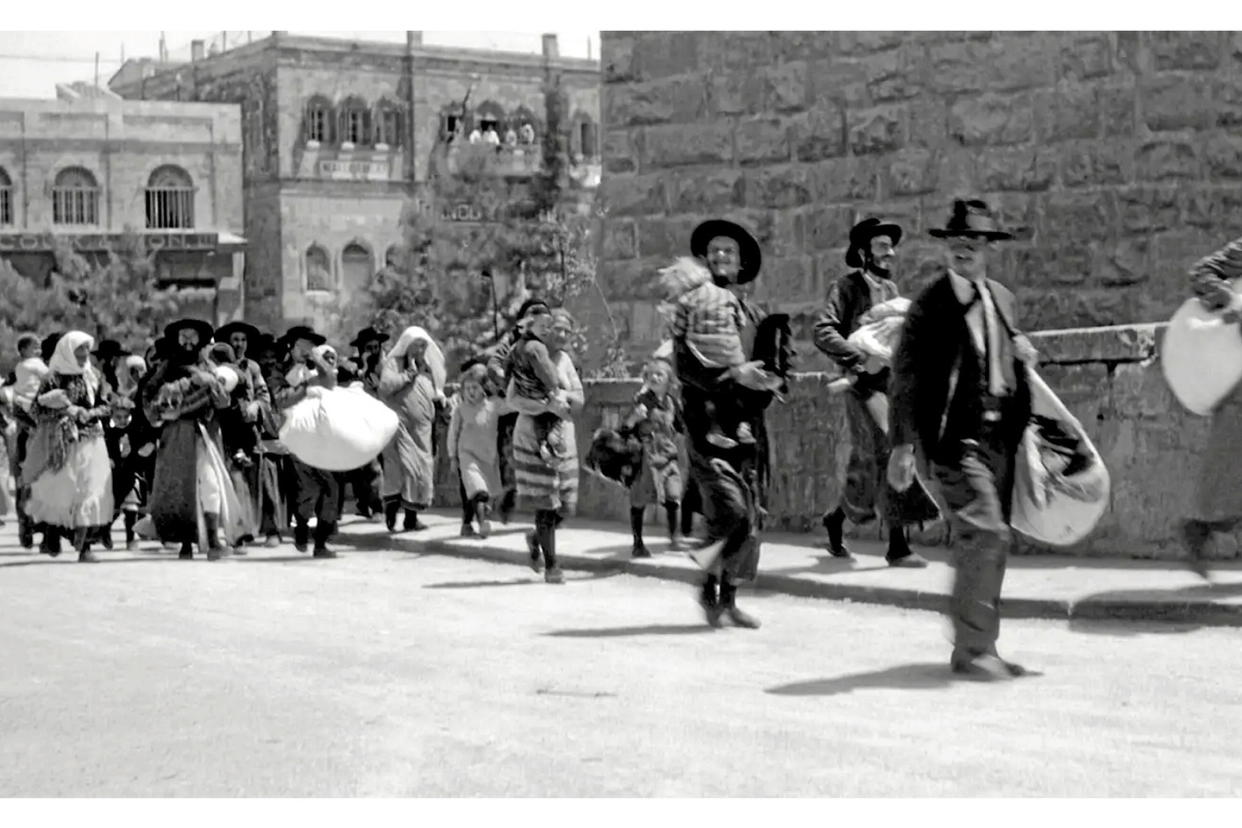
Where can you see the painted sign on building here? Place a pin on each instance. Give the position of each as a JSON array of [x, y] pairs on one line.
[[354, 170]]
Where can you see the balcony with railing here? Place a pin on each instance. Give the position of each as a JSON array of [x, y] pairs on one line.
[[170, 208]]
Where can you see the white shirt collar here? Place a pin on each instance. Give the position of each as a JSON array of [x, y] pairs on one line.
[[962, 287]]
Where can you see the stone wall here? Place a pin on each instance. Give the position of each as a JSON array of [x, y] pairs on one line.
[[1114, 154], [1109, 377]]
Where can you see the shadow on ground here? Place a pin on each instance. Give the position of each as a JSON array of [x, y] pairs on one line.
[[623, 632]]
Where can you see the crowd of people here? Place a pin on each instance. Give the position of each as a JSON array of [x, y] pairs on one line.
[[183, 442]]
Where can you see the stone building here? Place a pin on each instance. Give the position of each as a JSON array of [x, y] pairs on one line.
[[90, 167], [1116, 155], [339, 136]]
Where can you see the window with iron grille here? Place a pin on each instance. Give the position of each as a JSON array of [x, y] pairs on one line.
[[75, 197], [170, 200], [389, 126], [318, 269], [6, 198], [318, 121], [355, 122]]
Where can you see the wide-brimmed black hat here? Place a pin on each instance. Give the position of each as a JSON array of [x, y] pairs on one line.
[[748, 249], [861, 235], [226, 331], [368, 335], [973, 219], [110, 348], [204, 329], [303, 332]]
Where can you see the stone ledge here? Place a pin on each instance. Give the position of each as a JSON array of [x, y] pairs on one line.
[[1115, 343]]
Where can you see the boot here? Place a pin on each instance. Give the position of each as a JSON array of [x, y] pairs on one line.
[[899, 551], [392, 507], [1195, 535], [131, 540], [506, 506], [671, 518], [50, 545], [187, 552], [709, 602], [481, 511], [82, 542], [323, 531], [211, 528], [301, 536], [834, 522], [547, 543], [411, 522], [536, 556], [636, 527], [105, 537], [728, 603], [25, 533]]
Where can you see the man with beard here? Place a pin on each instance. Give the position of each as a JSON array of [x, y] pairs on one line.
[[192, 498], [275, 466], [872, 253], [316, 493], [730, 480]]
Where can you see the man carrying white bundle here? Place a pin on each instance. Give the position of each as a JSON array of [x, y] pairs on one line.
[[859, 329]]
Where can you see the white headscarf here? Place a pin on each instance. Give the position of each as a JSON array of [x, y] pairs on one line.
[[433, 356], [63, 360]]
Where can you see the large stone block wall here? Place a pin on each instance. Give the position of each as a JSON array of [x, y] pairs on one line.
[[1109, 377], [1115, 155]]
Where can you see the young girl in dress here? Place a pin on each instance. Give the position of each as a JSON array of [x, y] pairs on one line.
[[472, 450], [656, 421]]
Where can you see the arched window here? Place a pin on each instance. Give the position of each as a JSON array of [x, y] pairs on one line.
[[318, 269], [317, 120], [355, 120], [356, 267], [489, 115], [6, 198], [75, 197], [527, 125], [388, 123], [170, 199]]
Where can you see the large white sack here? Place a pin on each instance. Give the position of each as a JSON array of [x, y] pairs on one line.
[[1049, 505], [879, 329], [1201, 356], [337, 429]]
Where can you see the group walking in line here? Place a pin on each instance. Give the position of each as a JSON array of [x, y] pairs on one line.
[[183, 442]]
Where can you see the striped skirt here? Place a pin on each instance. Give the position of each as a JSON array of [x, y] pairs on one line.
[[540, 484]]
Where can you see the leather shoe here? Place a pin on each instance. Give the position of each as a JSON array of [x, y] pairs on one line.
[[985, 667], [912, 561]]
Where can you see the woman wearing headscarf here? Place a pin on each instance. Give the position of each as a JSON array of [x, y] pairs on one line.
[[411, 384], [70, 475], [548, 486]]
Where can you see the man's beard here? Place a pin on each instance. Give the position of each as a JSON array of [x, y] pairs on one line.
[[187, 356], [874, 267]]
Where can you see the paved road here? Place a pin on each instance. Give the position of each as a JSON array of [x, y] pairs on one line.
[[393, 673]]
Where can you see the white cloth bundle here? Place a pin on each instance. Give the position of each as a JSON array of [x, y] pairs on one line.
[[1061, 485], [337, 429], [1202, 355], [879, 329]]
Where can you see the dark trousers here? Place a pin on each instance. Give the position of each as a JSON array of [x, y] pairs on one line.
[[318, 495], [729, 503], [365, 481], [976, 487]]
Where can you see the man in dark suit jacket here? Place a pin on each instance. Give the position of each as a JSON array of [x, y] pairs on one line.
[[959, 396], [871, 253]]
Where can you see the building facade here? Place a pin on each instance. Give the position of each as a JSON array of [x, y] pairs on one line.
[[340, 138], [88, 170], [1115, 155]]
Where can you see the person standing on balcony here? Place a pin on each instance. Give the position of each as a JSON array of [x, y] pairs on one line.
[[872, 253]]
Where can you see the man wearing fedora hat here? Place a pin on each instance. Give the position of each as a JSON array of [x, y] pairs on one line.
[[369, 346], [316, 492], [729, 478], [182, 400], [960, 398], [872, 253]]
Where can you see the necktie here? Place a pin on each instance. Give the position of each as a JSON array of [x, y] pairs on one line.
[[992, 349]]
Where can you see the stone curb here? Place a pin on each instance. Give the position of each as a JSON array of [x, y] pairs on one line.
[[1206, 613]]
